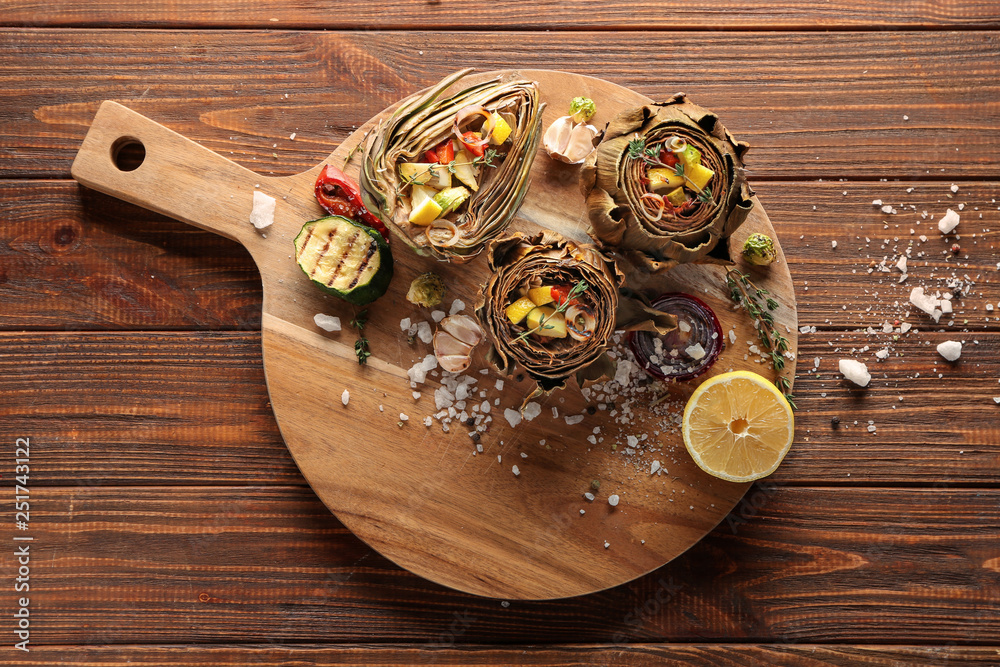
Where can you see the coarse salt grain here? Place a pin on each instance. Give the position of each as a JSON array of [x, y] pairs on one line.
[[513, 417], [457, 306], [855, 371], [262, 211], [531, 410], [573, 419], [948, 222], [613, 500], [327, 322], [950, 350], [515, 470], [345, 397]]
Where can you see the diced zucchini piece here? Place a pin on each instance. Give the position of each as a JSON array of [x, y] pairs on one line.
[[344, 258], [677, 197], [450, 199], [690, 156]]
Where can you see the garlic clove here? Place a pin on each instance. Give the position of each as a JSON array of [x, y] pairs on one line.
[[454, 363], [463, 328], [557, 137], [581, 143], [447, 345]]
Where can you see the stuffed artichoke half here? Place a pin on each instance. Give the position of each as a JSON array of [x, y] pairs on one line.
[[551, 307], [666, 185], [447, 174]]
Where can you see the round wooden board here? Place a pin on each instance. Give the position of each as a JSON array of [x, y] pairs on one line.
[[423, 497]]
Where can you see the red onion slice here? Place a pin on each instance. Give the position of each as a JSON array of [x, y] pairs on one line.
[[448, 225], [670, 360], [463, 116]]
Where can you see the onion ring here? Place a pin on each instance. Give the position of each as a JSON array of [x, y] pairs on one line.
[[464, 114], [652, 196], [441, 223], [677, 144], [580, 332]]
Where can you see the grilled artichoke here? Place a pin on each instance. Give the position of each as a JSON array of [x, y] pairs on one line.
[[666, 185], [576, 325], [498, 180]]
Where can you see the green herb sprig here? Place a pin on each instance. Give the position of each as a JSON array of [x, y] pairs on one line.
[[759, 304], [361, 344], [579, 288]]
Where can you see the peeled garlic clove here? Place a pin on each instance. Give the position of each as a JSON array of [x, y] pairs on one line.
[[557, 137], [581, 143], [463, 328]]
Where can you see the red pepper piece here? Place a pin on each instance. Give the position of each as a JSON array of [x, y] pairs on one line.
[[338, 195], [431, 156], [560, 293], [477, 151], [445, 152], [668, 158]]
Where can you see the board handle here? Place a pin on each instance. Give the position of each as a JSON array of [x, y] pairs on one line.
[[131, 157]]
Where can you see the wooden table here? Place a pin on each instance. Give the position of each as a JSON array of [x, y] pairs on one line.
[[169, 523]]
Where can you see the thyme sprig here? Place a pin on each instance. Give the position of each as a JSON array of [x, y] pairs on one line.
[[758, 302], [579, 288], [486, 159], [361, 344], [651, 156]]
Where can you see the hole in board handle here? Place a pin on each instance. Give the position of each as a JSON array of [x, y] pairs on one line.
[[128, 153]]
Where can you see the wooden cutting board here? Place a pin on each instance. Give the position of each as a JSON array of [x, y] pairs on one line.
[[423, 497]]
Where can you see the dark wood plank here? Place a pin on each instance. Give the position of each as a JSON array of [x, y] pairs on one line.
[[250, 564], [575, 14], [626, 655], [192, 408], [71, 258], [806, 101]]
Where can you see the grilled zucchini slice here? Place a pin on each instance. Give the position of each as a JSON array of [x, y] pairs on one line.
[[345, 258]]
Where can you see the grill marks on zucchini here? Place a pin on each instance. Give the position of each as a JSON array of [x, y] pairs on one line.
[[345, 258]]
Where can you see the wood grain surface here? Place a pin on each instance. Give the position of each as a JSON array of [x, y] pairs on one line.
[[129, 351]]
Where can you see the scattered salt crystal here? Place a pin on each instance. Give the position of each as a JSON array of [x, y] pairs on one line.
[[424, 332], [855, 371], [515, 471], [996, 399], [883, 354], [654, 467], [989, 307], [573, 419], [606, 544], [632, 441], [888, 209], [684, 326], [833, 243], [696, 351], [948, 222], [428, 421], [732, 336], [954, 188], [292, 136], [404, 324], [437, 315], [904, 327], [262, 210], [590, 496], [901, 264], [457, 306], [877, 202], [950, 350], [871, 428], [924, 302], [531, 410], [404, 417], [623, 371], [345, 397], [327, 322], [613, 500], [513, 417]]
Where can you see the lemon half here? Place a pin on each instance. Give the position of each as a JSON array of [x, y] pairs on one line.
[[738, 426]]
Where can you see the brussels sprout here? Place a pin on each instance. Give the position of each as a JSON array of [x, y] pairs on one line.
[[426, 290], [582, 109], [759, 250]]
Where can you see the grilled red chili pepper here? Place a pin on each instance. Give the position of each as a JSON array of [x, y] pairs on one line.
[[338, 195]]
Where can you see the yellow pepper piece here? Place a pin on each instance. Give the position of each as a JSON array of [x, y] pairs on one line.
[[501, 130], [664, 179], [677, 197], [699, 174], [518, 310], [540, 295]]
